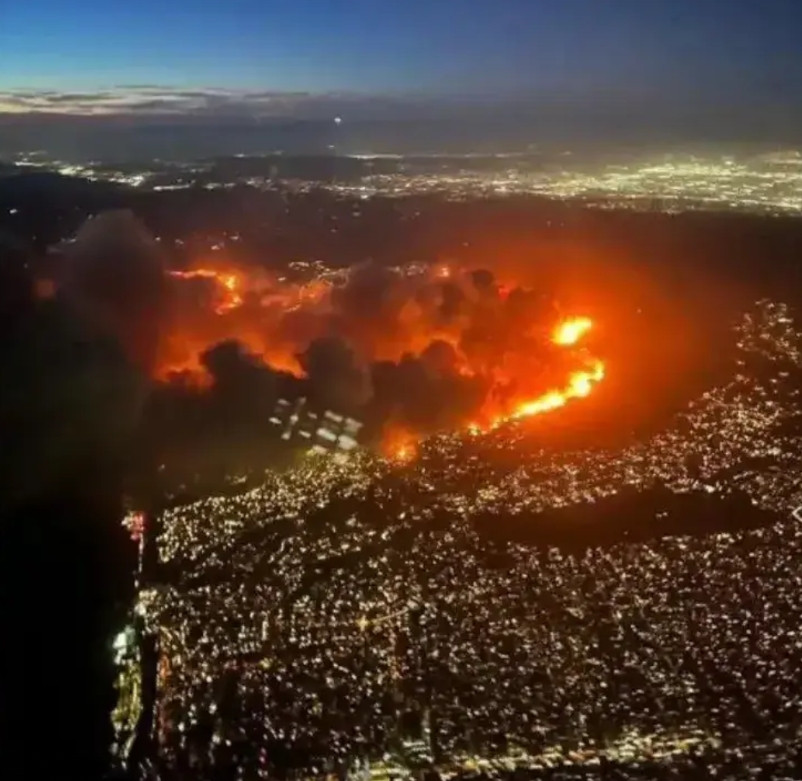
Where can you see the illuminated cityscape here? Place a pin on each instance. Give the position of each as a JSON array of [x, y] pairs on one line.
[[764, 183], [406, 390], [352, 608]]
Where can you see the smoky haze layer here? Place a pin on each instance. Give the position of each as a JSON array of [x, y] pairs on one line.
[[305, 125]]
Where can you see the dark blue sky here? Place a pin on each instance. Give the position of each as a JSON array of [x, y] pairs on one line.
[[744, 50]]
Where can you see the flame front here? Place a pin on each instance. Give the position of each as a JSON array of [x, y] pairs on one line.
[[401, 445], [580, 383]]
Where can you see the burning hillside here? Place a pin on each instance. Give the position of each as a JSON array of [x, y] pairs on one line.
[[412, 342], [413, 350]]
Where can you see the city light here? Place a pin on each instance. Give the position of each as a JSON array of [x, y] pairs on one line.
[[365, 576]]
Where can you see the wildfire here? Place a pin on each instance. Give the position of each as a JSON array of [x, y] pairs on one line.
[[404, 453], [228, 286], [276, 320], [580, 383], [400, 444], [569, 332]]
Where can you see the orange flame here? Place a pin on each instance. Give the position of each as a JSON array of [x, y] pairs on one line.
[[580, 383], [228, 286], [400, 445], [569, 332]]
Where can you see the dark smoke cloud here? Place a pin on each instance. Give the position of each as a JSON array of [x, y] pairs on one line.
[[440, 358], [425, 349], [452, 301], [335, 378], [423, 395], [372, 291], [70, 403], [113, 274], [484, 281], [370, 303], [244, 389]]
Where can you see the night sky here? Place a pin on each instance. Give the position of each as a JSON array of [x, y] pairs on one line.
[[672, 50]]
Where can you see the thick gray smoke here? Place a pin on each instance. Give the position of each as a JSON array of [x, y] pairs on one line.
[[114, 275], [418, 347], [71, 401]]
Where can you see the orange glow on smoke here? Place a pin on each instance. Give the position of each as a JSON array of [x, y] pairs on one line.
[[44, 289], [192, 330], [276, 319], [399, 444], [404, 453]]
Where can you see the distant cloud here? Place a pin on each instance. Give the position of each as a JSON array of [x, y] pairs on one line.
[[153, 100]]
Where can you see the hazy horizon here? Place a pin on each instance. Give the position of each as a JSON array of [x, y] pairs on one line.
[[510, 128]]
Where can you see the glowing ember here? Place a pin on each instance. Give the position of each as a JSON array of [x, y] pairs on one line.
[[571, 331], [399, 444], [404, 453]]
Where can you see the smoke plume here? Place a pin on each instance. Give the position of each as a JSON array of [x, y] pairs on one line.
[[416, 348]]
